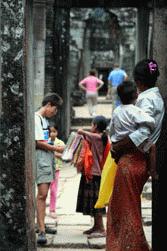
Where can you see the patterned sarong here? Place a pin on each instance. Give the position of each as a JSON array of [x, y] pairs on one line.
[[124, 222]]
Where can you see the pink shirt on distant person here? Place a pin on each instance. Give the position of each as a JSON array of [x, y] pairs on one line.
[[91, 83]]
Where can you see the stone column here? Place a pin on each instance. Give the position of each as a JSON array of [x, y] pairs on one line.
[[142, 29], [39, 50], [160, 46], [86, 54], [61, 60], [160, 55], [16, 125]]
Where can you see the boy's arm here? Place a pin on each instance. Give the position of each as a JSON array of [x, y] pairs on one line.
[[47, 147]]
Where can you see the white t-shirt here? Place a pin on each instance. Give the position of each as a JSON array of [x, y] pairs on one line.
[[151, 102], [127, 119], [41, 128]]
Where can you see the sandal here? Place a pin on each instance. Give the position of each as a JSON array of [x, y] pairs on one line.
[[89, 231], [97, 235]]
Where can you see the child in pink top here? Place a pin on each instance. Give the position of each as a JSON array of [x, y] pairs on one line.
[[91, 84], [58, 164]]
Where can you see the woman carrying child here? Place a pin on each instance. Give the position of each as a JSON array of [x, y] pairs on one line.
[[124, 219]]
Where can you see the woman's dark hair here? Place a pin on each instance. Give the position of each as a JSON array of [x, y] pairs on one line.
[[146, 71], [92, 72], [101, 125], [53, 98], [127, 92]]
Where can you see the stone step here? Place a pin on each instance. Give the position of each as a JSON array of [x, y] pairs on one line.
[[75, 128], [103, 100], [83, 121], [147, 190], [147, 195], [72, 237], [80, 121]]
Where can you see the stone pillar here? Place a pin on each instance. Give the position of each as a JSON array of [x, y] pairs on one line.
[[160, 46], [16, 121], [39, 50], [49, 50], [61, 60], [142, 30], [160, 55], [86, 60]]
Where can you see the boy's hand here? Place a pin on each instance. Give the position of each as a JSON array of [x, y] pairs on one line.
[[59, 149]]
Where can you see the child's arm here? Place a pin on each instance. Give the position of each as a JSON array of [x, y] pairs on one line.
[[47, 147], [82, 132], [86, 133]]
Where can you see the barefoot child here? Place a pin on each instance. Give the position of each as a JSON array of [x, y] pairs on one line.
[[88, 190]]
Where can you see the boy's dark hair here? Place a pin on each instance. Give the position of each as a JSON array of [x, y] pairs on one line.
[[53, 98], [146, 71], [93, 72], [127, 92]]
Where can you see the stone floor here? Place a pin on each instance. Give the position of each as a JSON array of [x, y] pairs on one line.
[[104, 107], [70, 224]]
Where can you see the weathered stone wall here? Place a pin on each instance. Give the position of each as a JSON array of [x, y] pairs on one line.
[[56, 63], [98, 38], [39, 50], [159, 53], [160, 46], [104, 3], [49, 49], [16, 181]]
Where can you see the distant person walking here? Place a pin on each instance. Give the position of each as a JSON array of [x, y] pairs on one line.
[[115, 78], [91, 84]]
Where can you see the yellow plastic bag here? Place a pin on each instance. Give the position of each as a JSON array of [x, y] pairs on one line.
[[107, 182]]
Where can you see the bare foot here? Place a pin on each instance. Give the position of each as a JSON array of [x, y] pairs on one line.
[[97, 234], [89, 231]]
